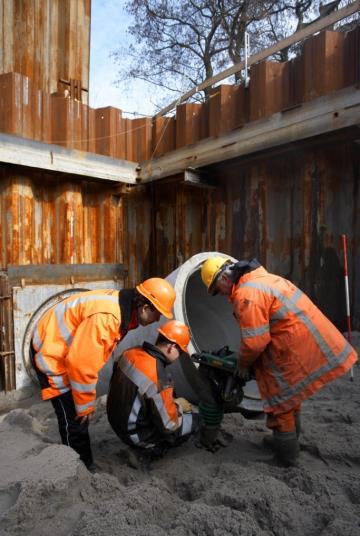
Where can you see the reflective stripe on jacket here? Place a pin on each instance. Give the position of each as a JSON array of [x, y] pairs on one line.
[[140, 402], [72, 342], [294, 348]]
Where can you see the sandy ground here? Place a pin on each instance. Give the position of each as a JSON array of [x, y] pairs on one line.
[[44, 488]]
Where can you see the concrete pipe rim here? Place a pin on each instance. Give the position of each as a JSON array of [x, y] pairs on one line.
[[186, 270]]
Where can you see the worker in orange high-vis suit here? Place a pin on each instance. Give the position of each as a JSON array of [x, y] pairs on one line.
[[292, 347], [74, 339], [141, 406]]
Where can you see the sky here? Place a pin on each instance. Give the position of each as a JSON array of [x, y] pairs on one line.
[[109, 23]]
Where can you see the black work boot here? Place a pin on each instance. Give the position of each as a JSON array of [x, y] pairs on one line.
[[286, 448], [142, 458], [268, 441]]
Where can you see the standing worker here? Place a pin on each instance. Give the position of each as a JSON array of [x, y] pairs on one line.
[[292, 347], [75, 338]]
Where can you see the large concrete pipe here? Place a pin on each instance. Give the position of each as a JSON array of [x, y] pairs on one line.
[[211, 324]]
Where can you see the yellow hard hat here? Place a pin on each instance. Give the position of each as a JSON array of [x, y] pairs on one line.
[[210, 269], [160, 293]]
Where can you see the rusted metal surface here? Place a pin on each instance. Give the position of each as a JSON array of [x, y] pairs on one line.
[[49, 219], [324, 64], [7, 355], [329, 62], [265, 89], [139, 237], [352, 56], [163, 136], [288, 210], [47, 41]]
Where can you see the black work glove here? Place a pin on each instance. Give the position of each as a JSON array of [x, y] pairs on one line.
[[244, 374]]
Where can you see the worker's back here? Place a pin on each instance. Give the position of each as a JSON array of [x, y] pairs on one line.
[[300, 347]]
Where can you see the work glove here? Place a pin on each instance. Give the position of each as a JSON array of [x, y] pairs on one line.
[[244, 373], [183, 404], [85, 419]]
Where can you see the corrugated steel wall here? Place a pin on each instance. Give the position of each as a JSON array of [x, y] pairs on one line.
[[287, 210], [57, 219], [329, 61], [46, 40]]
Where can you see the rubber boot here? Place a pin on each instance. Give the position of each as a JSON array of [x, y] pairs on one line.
[[286, 448], [298, 424], [268, 441]]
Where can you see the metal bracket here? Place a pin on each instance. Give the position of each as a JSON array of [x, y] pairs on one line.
[[197, 178]]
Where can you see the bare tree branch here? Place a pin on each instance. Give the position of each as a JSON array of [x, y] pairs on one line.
[[177, 44]]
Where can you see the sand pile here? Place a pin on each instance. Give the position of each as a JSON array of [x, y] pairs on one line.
[[44, 488]]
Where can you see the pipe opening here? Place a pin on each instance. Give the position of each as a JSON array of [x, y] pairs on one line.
[[210, 318]]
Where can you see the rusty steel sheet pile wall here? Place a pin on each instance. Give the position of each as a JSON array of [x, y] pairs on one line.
[[49, 219], [7, 362], [53, 118], [47, 41], [288, 210], [329, 61]]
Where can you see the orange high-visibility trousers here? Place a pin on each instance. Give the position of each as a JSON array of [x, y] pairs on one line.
[[283, 422]]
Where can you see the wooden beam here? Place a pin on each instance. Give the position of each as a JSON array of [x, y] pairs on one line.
[[330, 113], [285, 43], [35, 154]]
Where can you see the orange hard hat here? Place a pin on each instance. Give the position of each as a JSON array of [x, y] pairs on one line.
[[160, 293], [176, 332]]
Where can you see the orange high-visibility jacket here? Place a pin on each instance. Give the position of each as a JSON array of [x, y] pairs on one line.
[[145, 380], [72, 342], [294, 348]]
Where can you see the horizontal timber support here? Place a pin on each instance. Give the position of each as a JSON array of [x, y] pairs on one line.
[[36, 154], [336, 111], [40, 274]]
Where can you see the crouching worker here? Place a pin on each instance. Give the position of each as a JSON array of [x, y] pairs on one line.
[[141, 406], [74, 339]]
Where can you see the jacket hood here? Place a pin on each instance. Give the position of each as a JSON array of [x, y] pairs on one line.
[[155, 352], [243, 267]]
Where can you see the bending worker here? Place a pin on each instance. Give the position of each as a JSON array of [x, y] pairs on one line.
[[74, 339], [141, 406], [292, 347]]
